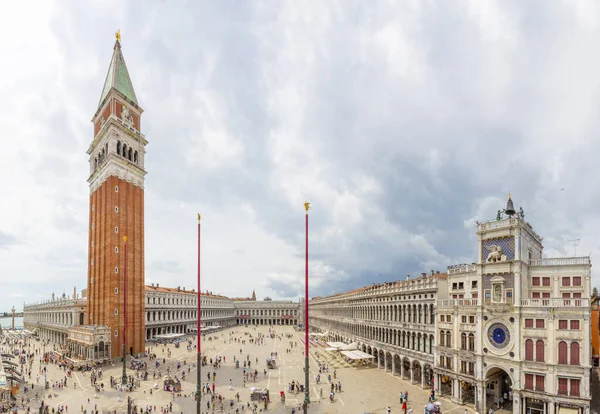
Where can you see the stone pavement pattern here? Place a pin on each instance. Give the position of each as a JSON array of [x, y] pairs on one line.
[[364, 390]]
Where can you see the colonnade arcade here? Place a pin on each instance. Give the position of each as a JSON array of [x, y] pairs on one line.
[[406, 367], [52, 335], [244, 320], [410, 369], [168, 329], [467, 390]]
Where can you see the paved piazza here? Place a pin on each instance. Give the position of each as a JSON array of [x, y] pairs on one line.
[[363, 389]]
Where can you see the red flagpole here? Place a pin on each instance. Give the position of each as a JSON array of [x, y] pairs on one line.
[[198, 345], [306, 375], [124, 377]]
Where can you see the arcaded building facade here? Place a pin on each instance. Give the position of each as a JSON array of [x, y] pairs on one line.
[[175, 310], [394, 322], [52, 319], [116, 211], [512, 328], [266, 312]]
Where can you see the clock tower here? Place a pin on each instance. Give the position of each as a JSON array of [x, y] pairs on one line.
[[116, 210]]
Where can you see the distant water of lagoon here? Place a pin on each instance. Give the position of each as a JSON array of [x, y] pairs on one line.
[[7, 322]]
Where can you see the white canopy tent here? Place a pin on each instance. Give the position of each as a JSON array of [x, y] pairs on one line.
[[336, 344], [357, 355]]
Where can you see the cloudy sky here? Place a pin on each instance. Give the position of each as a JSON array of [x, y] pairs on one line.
[[401, 122]]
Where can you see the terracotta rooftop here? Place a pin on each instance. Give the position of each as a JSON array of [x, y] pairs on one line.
[[153, 288]]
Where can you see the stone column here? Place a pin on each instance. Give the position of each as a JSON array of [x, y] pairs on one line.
[[402, 369], [423, 376], [412, 373], [455, 391], [393, 366]]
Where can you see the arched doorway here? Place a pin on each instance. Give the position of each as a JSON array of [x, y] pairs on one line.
[[428, 376], [498, 384], [397, 366], [416, 366], [406, 368], [381, 363], [388, 361]]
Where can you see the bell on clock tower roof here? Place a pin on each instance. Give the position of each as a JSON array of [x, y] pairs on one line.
[[117, 77]]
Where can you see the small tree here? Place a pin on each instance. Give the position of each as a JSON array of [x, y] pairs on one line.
[[595, 292]]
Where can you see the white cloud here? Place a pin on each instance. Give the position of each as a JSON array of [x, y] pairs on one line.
[[402, 123]]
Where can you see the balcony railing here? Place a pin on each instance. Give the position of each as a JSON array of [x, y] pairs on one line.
[[447, 303], [555, 303], [463, 268], [560, 261]]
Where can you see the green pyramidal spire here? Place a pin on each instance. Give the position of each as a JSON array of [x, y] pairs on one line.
[[118, 77]]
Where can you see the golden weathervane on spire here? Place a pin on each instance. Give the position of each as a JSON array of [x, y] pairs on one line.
[[118, 35], [125, 239], [198, 217], [306, 206], [509, 195]]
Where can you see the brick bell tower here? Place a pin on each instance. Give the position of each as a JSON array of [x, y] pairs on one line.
[[116, 182]]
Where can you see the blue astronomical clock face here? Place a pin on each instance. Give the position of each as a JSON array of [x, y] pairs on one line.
[[498, 335]]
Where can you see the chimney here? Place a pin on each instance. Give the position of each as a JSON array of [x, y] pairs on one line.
[[193, 290], [407, 277], [178, 288], [157, 285], [184, 288], [424, 274], [432, 272], [437, 272]]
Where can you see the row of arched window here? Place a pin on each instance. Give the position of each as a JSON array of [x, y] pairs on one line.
[[467, 342], [186, 315], [98, 159], [446, 339], [267, 312], [422, 313], [567, 354], [191, 300], [416, 341], [127, 152]]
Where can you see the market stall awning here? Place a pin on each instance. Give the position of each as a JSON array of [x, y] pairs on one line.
[[336, 344], [357, 355], [350, 347]]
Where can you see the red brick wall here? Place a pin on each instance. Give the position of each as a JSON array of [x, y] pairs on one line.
[[118, 105], [105, 114], [118, 109], [102, 300]]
